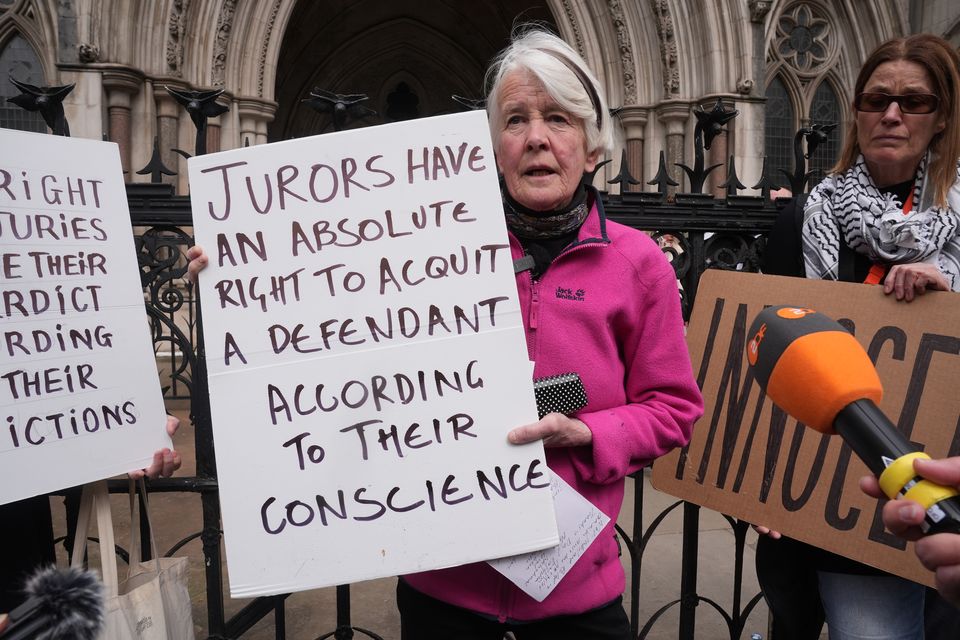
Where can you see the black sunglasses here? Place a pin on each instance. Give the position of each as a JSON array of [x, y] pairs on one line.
[[875, 102]]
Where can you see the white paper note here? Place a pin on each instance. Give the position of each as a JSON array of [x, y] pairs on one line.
[[578, 522]]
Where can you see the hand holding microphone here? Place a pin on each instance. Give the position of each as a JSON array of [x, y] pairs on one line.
[[813, 369], [939, 553]]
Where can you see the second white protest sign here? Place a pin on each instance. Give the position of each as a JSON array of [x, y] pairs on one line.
[[79, 390]]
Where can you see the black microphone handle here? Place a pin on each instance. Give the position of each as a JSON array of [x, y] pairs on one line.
[[871, 435], [878, 442], [26, 630], [951, 522], [61, 604]]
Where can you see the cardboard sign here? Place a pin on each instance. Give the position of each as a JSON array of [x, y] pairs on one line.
[[79, 390], [750, 460], [366, 357]]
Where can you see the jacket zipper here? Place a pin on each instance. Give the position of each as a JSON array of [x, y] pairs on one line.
[[534, 302], [534, 316]]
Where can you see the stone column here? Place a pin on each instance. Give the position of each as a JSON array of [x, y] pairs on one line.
[[214, 125], [752, 125], [718, 155], [168, 123], [254, 116], [634, 121], [120, 85], [213, 135], [674, 116]]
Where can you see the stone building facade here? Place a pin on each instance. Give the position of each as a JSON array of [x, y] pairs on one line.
[[781, 63]]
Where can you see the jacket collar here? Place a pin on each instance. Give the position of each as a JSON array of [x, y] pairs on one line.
[[594, 228]]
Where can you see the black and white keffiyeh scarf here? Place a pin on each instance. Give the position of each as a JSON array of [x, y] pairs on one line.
[[849, 208]]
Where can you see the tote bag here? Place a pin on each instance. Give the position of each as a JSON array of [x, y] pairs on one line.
[[153, 602]]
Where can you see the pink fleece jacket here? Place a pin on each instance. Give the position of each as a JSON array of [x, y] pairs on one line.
[[607, 308]]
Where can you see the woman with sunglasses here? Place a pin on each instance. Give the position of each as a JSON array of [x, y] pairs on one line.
[[888, 214]]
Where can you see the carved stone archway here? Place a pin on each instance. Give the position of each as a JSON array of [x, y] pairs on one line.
[[657, 60], [435, 50]]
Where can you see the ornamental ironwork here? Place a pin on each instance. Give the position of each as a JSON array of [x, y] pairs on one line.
[[804, 38]]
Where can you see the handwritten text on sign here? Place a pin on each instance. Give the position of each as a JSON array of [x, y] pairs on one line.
[[76, 407], [366, 357], [751, 460]]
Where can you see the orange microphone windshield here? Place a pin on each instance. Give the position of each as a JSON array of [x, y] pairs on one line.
[[810, 366]]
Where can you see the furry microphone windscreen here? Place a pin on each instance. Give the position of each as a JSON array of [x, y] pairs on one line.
[[70, 601]]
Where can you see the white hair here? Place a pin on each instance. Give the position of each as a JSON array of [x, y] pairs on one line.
[[564, 76]]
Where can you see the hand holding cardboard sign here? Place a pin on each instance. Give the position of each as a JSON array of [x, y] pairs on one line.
[[766, 531], [913, 279]]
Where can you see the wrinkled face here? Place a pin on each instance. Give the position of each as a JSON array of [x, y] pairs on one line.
[[893, 142], [541, 149]]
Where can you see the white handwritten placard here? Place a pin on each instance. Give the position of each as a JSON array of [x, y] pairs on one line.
[[79, 391], [366, 357], [579, 522]]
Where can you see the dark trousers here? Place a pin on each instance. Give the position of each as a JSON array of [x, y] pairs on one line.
[[787, 572], [788, 579], [941, 620], [426, 618], [26, 543]]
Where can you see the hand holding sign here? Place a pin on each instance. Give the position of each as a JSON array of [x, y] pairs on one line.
[[198, 261], [165, 461], [555, 429]]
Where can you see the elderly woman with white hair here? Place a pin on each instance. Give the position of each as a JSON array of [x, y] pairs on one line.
[[598, 299]]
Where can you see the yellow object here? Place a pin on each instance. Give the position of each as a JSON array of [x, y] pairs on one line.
[[895, 477], [929, 493]]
